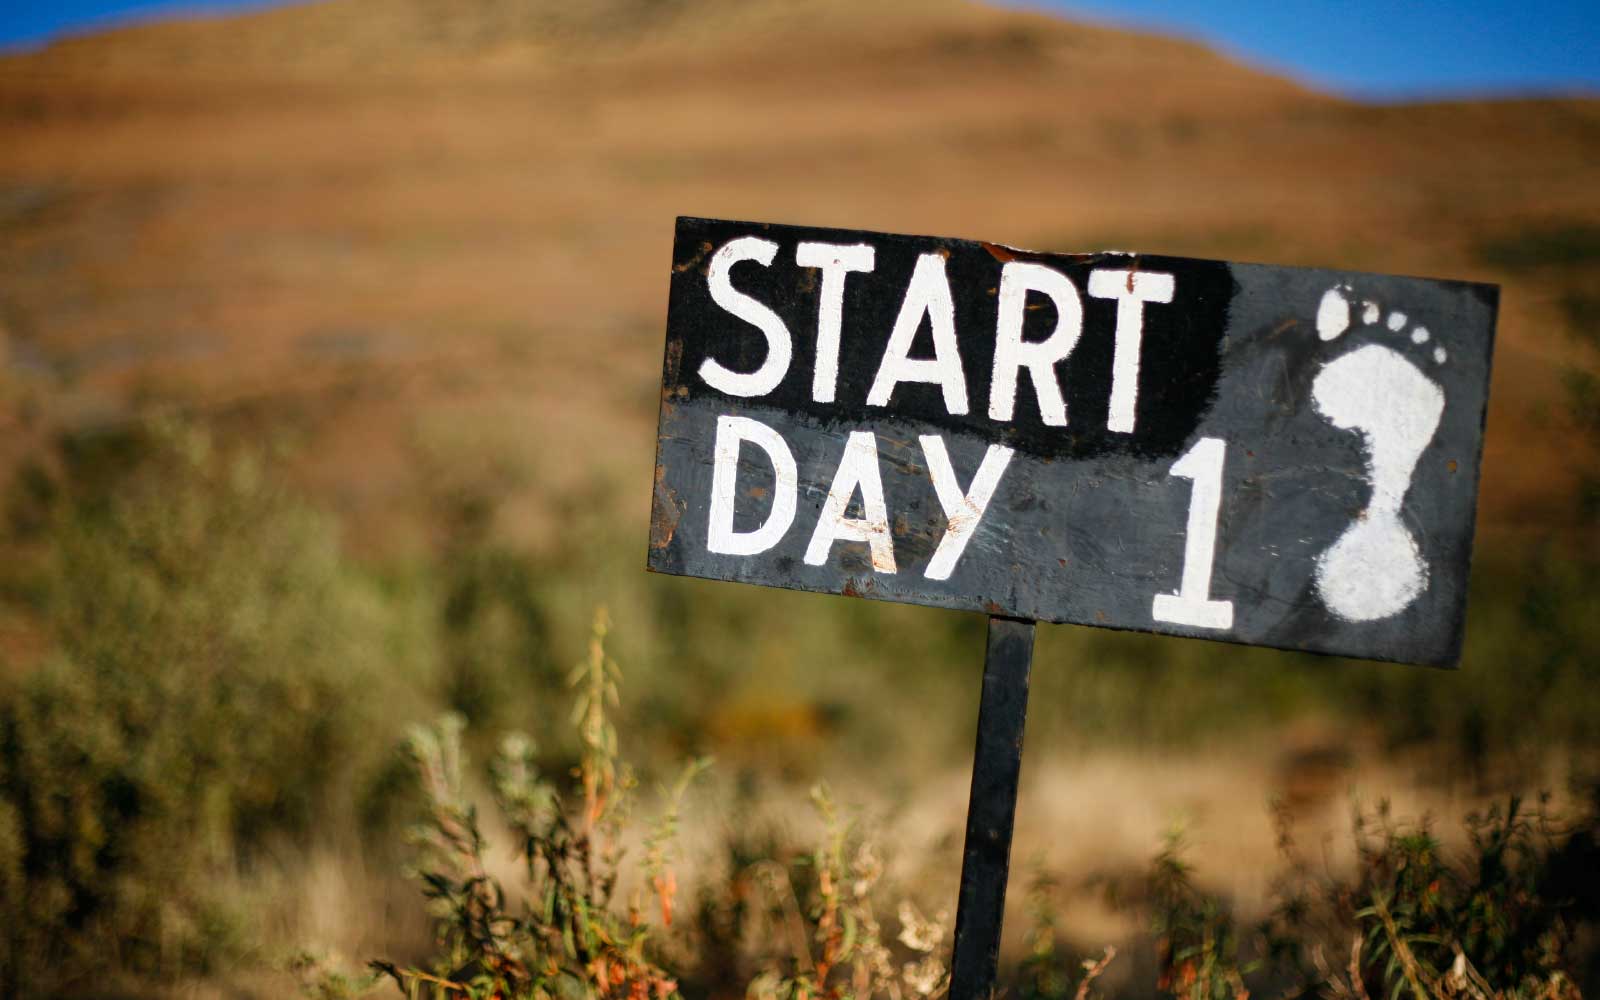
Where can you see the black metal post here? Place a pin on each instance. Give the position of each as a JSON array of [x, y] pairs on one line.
[[992, 808]]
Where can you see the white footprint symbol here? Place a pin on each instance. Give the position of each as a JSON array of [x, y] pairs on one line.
[[1375, 568]]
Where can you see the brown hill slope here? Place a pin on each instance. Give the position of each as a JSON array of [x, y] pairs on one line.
[[416, 229]]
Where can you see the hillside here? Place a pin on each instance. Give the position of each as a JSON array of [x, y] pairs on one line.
[[389, 222]]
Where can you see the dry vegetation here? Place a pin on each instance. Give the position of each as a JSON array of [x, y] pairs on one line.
[[329, 349]]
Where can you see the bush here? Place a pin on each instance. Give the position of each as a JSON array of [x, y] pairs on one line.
[[1499, 920], [198, 704], [568, 937], [583, 924]]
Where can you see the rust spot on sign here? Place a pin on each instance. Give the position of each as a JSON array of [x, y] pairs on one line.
[[1001, 252], [694, 262], [665, 512], [674, 361]]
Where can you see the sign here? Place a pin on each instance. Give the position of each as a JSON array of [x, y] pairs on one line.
[[1268, 455]]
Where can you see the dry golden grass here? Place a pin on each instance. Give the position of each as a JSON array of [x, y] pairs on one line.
[[403, 222]]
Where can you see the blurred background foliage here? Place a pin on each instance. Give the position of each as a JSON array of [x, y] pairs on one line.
[[329, 347]]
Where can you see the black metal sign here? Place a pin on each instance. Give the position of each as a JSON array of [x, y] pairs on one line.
[[1267, 455]]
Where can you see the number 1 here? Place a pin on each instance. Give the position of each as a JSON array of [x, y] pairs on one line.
[[1192, 604]]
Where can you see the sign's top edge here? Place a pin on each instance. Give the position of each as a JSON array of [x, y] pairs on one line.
[[1003, 251]]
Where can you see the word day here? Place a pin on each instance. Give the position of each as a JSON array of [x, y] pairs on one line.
[[858, 471], [963, 509]]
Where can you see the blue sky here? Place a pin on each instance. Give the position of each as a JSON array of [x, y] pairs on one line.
[[1387, 50], [29, 22], [1362, 48]]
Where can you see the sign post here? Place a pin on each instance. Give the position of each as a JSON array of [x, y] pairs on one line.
[[991, 808], [1275, 456]]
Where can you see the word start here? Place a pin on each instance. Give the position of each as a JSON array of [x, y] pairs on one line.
[[928, 295]]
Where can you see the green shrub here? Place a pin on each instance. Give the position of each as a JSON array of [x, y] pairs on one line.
[[569, 931], [570, 936], [1498, 921], [1492, 921], [1559, 244], [198, 706], [1045, 972], [1197, 942]]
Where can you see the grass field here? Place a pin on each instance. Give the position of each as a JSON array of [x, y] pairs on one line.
[[329, 352]]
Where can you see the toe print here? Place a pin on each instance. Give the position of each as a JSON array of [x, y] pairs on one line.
[[1375, 568], [1335, 310]]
